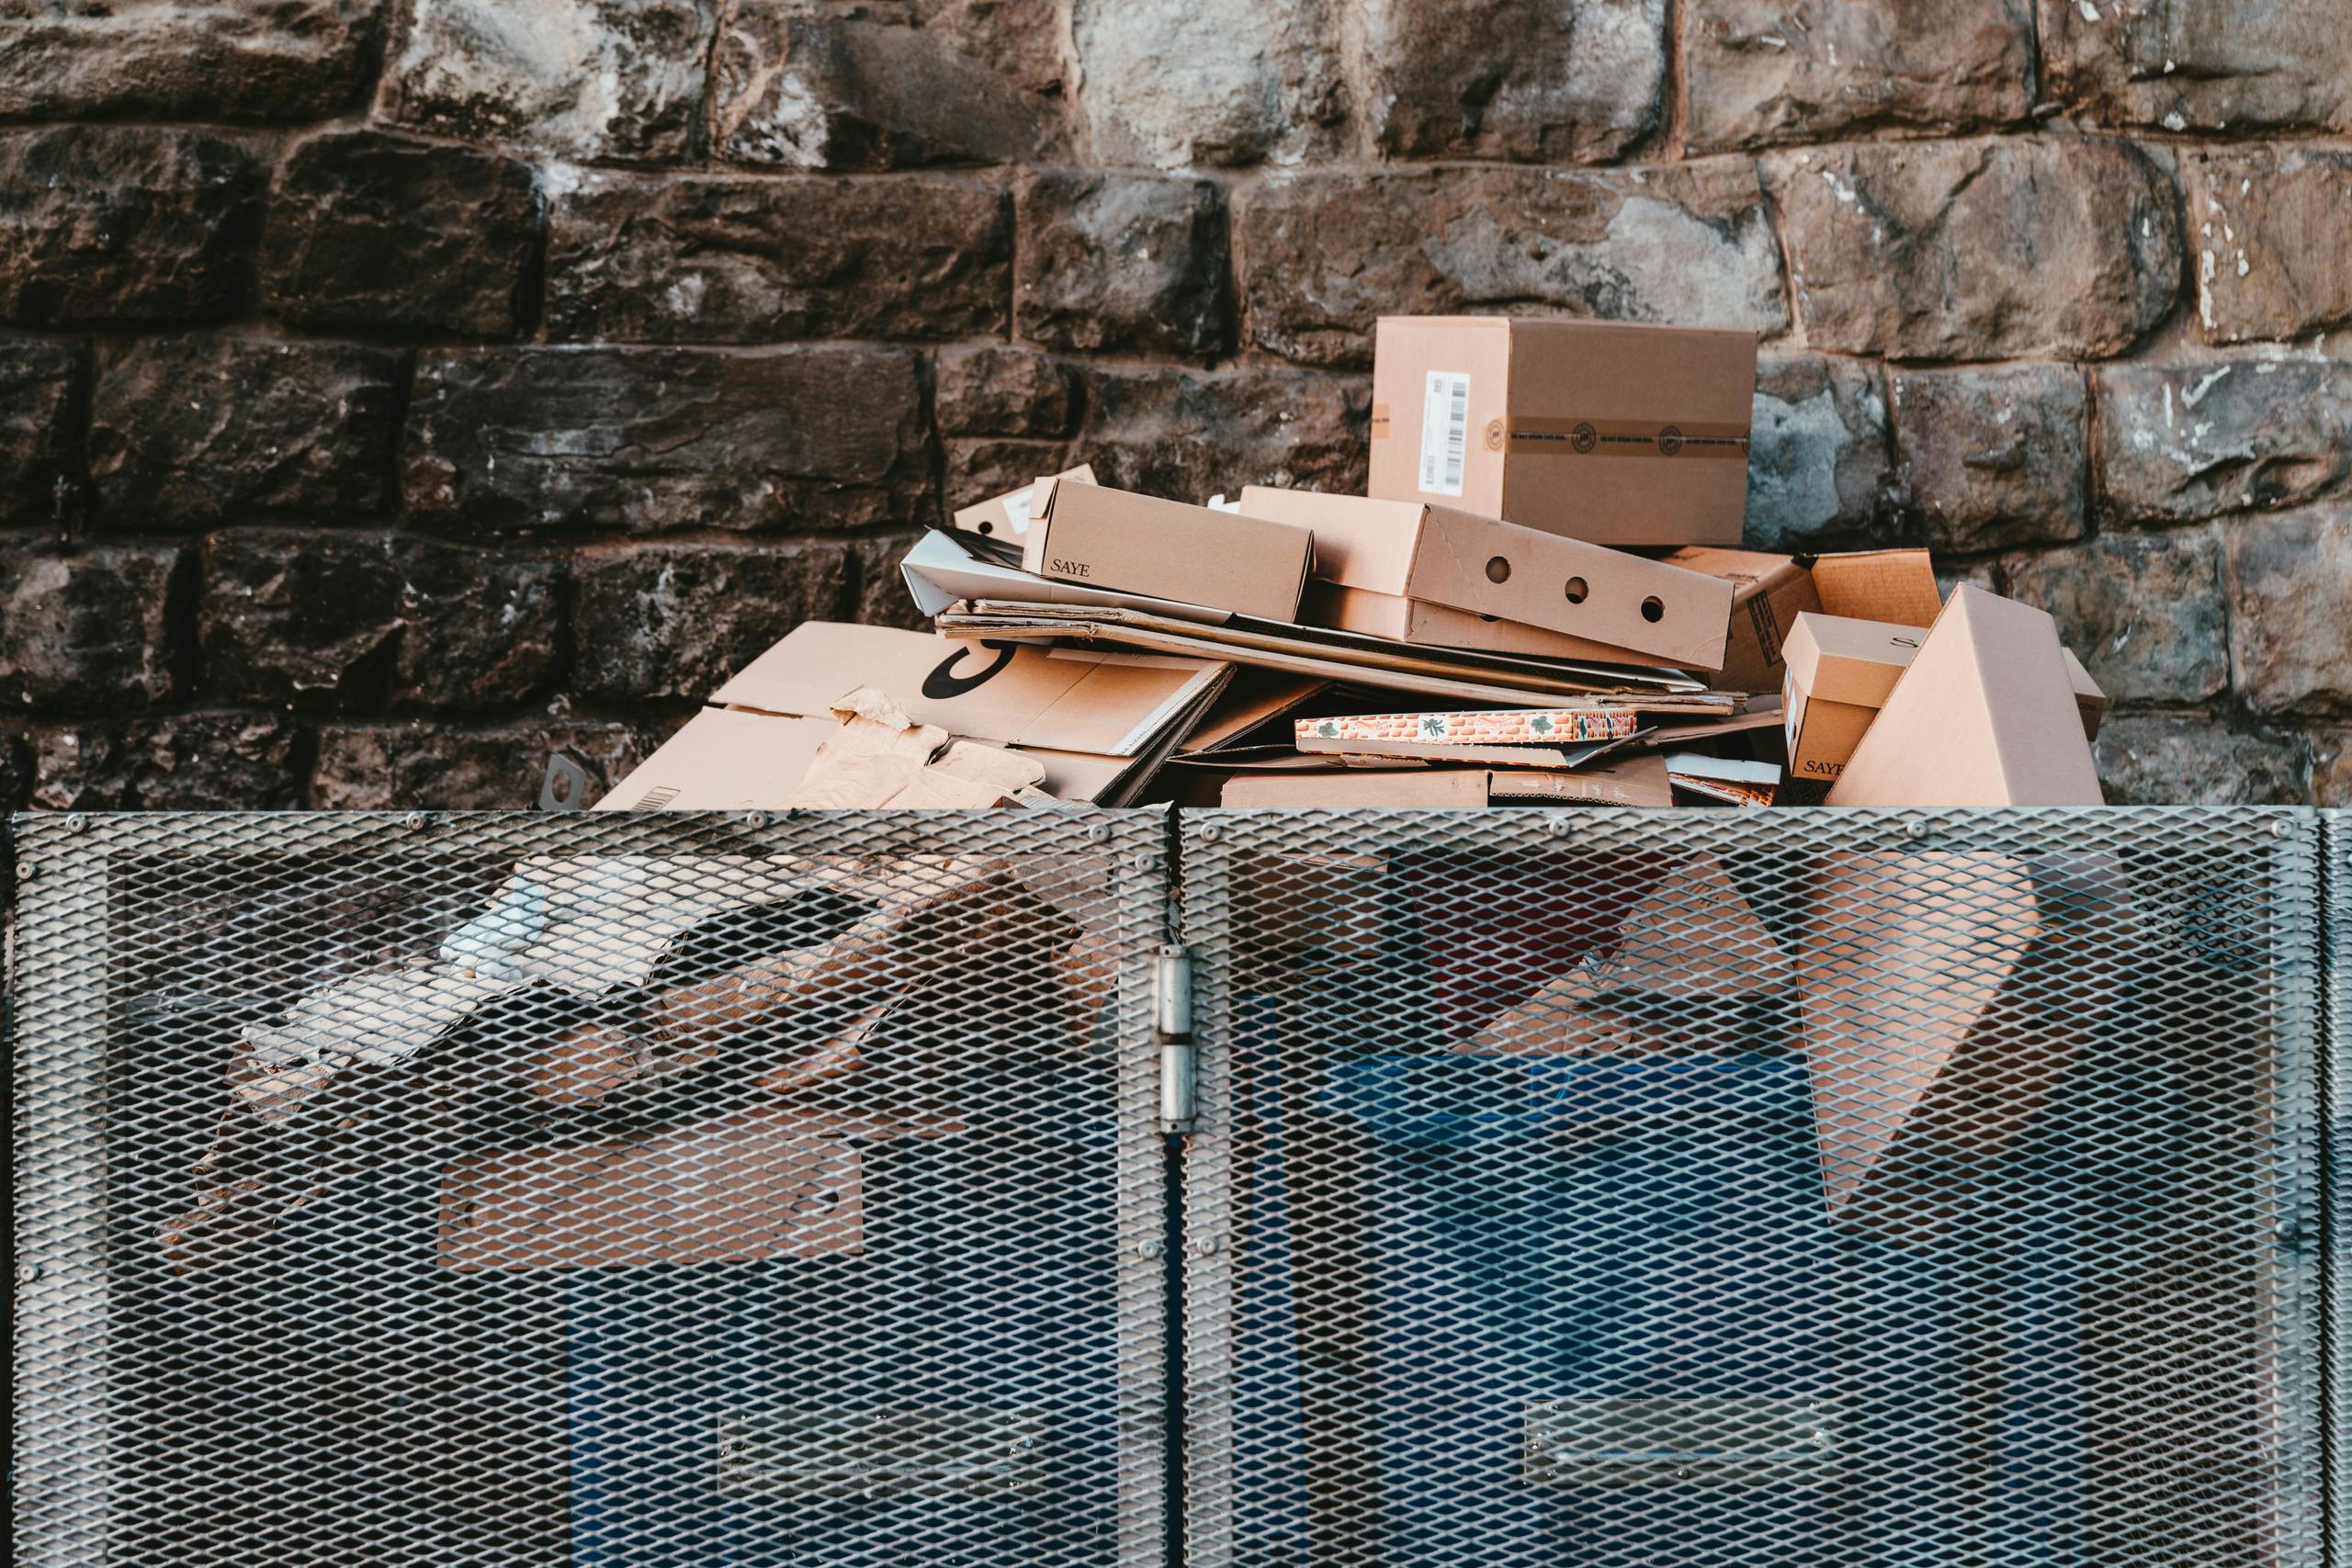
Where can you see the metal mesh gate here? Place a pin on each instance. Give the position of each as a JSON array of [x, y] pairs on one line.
[[1755, 1191], [627, 1192], [1689, 1191]]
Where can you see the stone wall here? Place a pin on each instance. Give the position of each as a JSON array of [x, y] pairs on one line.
[[388, 397]]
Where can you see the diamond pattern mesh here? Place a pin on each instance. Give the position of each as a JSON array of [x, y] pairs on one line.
[[627, 1192], [1754, 1189]]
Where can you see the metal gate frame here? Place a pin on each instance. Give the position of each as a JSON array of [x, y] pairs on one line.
[[58, 972], [1177, 1432]]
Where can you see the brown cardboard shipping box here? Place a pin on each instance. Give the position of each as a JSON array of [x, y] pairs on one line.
[[1770, 591], [1841, 672], [1626, 606], [1617, 432], [1985, 715], [1635, 781], [1420, 624], [1007, 517], [1114, 538]]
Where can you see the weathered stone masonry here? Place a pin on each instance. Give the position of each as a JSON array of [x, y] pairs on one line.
[[388, 396]]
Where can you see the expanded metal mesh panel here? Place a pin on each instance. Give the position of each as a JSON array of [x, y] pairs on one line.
[[1746, 1190], [624, 1191]]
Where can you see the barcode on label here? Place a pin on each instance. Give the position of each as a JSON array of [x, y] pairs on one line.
[[657, 797], [1445, 433]]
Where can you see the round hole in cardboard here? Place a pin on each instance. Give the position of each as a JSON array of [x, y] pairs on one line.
[[1498, 570], [988, 527], [1652, 610], [1578, 589]]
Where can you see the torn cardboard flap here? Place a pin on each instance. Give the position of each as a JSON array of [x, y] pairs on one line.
[[879, 757], [1692, 936]]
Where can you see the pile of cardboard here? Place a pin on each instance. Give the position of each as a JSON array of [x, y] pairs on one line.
[[1539, 600]]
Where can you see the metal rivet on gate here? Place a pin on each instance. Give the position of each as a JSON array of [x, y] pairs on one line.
[[415, 821], [1149, 1249], [25, 869], [1205, 1245], [2282, 829], [27, 1272], [1208, 832], [1099, 832], [1559, 827], [755, 819], [1914, 827], [75, 822]]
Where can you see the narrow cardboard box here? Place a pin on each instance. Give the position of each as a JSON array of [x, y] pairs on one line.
[[1007, 517], [1770, 591], [1985, 715], [1113, 539], [1420, 624], [1623, 603], [1636, 781], [1612, 432], [1841, 672]]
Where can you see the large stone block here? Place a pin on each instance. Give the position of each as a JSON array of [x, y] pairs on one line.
[[1212, 82], [586, 79], [807, 84], [824, 437], [433, 766], [2144, 612], [2177, 442], [976, 467], [753, 260], [379, 231], [1190, 434], [125, 223], [355, 620], [1326, 253], [2174, 759], [2271, 228], [40, 382], [1004, 391], [1992, 458], [2290, 578], [1765, 71], [187, 431], [1122, 261], [186, 59], [882, 596], [664, 621], [1539, 81], [195, 761], [2199, 64], [2331, 768], [1978, 250], [1817, 460], [91, 630]]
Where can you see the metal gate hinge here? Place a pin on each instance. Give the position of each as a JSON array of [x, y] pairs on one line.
[[1171, 1022]]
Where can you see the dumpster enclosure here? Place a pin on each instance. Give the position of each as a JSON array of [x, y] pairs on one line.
[[1244, 1189]]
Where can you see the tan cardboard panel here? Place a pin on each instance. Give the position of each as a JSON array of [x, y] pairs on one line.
[[1836, 658], [1985, 716], [1898, 586], [723, 760], [1424, 625], [1007, 517]]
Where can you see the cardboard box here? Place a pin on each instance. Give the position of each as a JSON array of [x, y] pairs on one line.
[[1840, 673], [1113, 539], [1770, 591], [1613, 433], [1007, 517], [1628, 607], [1985, 715], [1093, 719], [1422, 624], [1636, 781]]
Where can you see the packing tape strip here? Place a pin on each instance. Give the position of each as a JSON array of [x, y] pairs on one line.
[[1621, 438]]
